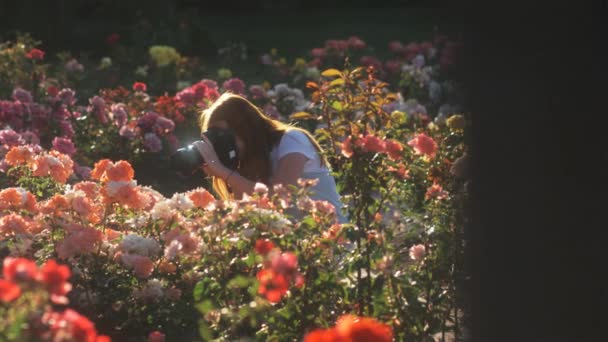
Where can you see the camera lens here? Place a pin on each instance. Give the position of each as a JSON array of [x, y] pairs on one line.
[[187, 160]]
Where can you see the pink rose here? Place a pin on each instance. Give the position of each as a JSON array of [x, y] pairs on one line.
[[417, 252]]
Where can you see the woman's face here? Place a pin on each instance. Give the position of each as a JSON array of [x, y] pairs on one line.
[[240, 144]]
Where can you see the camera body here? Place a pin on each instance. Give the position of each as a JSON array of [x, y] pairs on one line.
[[187, 160]]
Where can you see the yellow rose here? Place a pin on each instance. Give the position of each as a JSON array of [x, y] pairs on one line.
[[164, 55], [224, 73], [398, 117], [300, 63], [456, 122]]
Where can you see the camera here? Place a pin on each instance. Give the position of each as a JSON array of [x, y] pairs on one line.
[[188, 160]]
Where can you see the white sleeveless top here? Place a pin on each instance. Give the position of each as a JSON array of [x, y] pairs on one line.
[[294, 141]]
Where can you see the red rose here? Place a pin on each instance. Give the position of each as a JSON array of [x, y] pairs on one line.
[[200, 90], [393, 148], [371, 143], [55, 277], [19, 269], [263, 246], [139, 86], [424, 144], [71, 323], [35, 54], [156, 336], [353, 329], [52, 90], [323, 335], [272, 285], [363, 329], [8, 291]]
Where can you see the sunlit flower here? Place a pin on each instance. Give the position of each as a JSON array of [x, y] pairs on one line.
[[201, 197], [17, 198], [15, 224], [346, 147], [394, 149], [181, 202], [19, 155], [424, 145], [417, 252], [163, 210], [372, 143], [136, 244], [141, 265], [435, 191], [120, 171], [79, 240]]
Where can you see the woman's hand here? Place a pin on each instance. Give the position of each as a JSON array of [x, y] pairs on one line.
[[213, 166]]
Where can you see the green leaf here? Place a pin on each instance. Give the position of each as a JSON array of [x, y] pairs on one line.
[[205, 306], [331, 72], [239, 282], [285, 312], [204, 330]]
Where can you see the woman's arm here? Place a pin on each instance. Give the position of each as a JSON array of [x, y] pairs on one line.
[[290, 168], [288, 171]]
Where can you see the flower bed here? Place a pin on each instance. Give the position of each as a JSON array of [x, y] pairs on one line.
[[142, 254]]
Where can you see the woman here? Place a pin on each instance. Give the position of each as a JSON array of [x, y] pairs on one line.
[[270, 152]]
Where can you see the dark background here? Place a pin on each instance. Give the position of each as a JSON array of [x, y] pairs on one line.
[[536, 244], [292, 26]]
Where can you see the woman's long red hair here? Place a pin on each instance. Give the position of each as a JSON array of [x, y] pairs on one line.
[[258, 132]]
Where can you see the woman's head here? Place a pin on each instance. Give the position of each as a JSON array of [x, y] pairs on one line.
[[256, 135], [254, 131]]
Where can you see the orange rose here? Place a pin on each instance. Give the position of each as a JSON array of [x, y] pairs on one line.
[[120, 171]]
